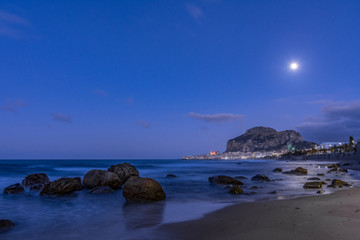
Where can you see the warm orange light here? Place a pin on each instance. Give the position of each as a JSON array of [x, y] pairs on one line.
[[212, 153]]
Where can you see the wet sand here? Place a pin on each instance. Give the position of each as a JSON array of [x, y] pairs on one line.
[[334, 216]]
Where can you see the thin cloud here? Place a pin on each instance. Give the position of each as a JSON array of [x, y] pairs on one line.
[[12, 25], [61, 117], [218, 118], [13, 106], [100, 92], [143, 124], [194, 10], [336, 122]]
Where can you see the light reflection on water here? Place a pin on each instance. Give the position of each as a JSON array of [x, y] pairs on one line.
[[108, 216]]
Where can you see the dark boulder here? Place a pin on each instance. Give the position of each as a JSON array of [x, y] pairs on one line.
[[277, 170], [297, 171], [336, 183], [124, 171], [97, 178], [101, 189], [62, 186], [321, 174], [312, 185], [236, 190], [6, 225], [143, 189], [170, 176], [36, 178], [314, 178], [260, 177], [226, 180], [15, 188]]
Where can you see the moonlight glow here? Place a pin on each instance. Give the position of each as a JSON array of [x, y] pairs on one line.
[[294, 66]]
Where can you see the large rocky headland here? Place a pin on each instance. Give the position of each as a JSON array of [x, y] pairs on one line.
[[260, 142]]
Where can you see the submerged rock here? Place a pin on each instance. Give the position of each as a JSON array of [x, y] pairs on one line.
[[6, 225], [321, 174], [101, 189], [34, 179], [170, 176], [277, 170], [241, 177], [260, 177], [143, 189], [336, 183], [297, 171], [97, 178], [314, 178], [236, 190], [312, 185], [226, 180], [124, 171], [15, 188], [320, 192], [62, 186]]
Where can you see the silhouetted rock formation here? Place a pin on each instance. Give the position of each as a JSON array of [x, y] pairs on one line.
[[260, 139]]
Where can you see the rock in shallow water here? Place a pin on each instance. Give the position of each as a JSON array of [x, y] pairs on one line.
[[97, 178], [98, 190], [143, 189], [277, 170], [312, 185], [6, 225], [336, 183], [36, 178], [260, 177], [236, 190], [170, 176], [226, 180], [297, 171], [15, 188], [62, 186], [124, 171]]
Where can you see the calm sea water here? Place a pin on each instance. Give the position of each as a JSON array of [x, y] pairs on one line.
[[86, 216]]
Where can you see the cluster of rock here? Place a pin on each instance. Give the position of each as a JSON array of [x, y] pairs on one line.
[[135, 188], [234, 184]]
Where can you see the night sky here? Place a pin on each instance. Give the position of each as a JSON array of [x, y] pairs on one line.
[[162, 79]]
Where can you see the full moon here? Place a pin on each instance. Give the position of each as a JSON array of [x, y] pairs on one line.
[[294, 66]]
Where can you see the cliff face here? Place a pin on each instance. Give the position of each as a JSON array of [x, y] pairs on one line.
[[266, 139]]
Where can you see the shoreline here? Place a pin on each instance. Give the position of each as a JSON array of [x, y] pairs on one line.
[[331, 216]]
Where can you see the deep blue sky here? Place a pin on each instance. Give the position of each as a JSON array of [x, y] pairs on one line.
[[162, 79]]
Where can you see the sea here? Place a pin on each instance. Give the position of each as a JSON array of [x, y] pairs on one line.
[[83, 215]]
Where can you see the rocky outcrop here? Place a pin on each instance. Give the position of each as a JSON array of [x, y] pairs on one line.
[[6, 225], [15, 188], [124, 171], [261, 177], [62, 186], [98, 190], [36, 178], [143, 189], [336, 183], [236, 190], [278, 170], [97, 178], [225, 180], [297, 171], [259, 139], [312, 185]]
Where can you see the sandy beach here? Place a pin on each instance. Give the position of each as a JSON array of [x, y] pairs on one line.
[[334, 216]]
